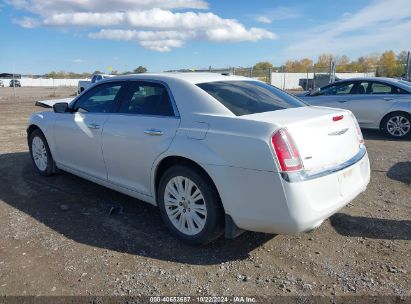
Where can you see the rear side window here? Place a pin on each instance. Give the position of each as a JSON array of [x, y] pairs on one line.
[[249, 97], [146, 98], [379, 88]]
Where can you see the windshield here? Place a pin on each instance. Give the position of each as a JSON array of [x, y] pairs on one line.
[[250, 97]]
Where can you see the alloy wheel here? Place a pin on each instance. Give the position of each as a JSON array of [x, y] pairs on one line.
[[39, 152], [185, 205], [398, 126]]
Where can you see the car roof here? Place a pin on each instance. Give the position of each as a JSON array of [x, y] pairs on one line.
[[393, 81], [382, 79], [190, 77]]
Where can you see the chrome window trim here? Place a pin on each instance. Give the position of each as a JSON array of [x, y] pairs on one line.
[[294, 177], [73, 103], [143, 115], [113, 79]]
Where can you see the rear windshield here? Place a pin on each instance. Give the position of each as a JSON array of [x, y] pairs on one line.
[[407, 83], [249, 97]]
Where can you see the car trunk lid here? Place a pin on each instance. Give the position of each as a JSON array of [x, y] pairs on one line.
[[324, 137]]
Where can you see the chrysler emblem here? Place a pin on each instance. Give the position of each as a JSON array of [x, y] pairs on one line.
[[341, 132]]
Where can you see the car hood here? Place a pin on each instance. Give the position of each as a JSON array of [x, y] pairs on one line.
[[302, 94]]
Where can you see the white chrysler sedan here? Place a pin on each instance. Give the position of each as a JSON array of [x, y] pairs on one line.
[[215, 153]]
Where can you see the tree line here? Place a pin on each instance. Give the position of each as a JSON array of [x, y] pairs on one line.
[[72, 75], [388, 64]]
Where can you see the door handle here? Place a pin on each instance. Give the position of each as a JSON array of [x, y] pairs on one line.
[[342, 101], [93, 126], [153, 132], [388, 98]]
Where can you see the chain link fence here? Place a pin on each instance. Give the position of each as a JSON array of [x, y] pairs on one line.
[[308, 78], [312, 77]]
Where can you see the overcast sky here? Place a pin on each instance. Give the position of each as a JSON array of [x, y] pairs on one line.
[[38, 36]]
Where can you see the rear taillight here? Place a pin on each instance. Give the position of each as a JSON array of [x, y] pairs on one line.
[[286, 151], [357, 126]]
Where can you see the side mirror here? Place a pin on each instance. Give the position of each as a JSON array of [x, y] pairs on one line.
[[60, 107]]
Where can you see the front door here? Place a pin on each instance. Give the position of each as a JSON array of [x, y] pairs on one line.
[[77, 134], [334, 95]]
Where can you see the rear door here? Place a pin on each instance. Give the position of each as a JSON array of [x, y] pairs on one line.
[[77, 135], [143, 128], [373, 100]]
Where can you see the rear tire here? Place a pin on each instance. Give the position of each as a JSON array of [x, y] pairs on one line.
[[190, 205], [40, 154], [397, 125]]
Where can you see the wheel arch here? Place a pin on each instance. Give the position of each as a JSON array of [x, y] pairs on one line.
[[42, 121], [172, 160], [31, 128], [231, 229]]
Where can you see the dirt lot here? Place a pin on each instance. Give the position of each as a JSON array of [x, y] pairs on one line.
[[44, 250]]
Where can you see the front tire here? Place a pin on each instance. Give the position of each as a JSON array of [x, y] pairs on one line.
[[40, 154], [190, 205]]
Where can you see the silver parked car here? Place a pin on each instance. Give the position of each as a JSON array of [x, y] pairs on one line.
[[377, 103]]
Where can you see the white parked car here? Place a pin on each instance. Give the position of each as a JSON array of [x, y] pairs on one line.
[[216, 153]]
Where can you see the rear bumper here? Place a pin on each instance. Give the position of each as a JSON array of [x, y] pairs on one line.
[[312, 201], [264, 201], [305, 176]]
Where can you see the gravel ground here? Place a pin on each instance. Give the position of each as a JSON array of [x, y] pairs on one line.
[[57, 237]]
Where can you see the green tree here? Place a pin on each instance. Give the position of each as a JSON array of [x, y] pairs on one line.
[[402, 57], [140, 70], [323, 62], [343, 63], [300, 66], [365, 64], [388, 65], [264, 65]]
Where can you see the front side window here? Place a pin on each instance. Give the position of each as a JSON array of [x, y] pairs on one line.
[[146, 98], [99, 99], [338, 89], [250, 97]]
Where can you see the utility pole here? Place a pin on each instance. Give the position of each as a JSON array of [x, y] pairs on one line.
[[269, 75], [14, 85], [332, 71]]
